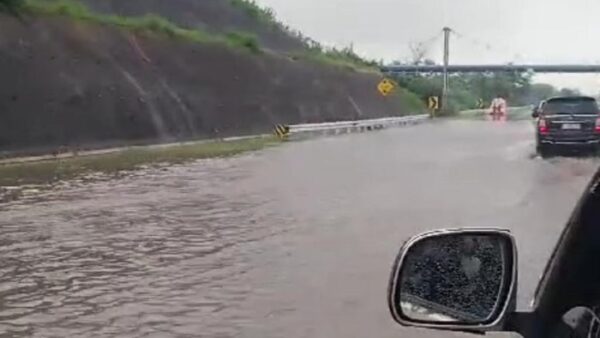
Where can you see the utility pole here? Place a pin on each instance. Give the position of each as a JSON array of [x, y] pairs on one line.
[[447, 31]]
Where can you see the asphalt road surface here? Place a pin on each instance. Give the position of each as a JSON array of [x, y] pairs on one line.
[[293, 241]]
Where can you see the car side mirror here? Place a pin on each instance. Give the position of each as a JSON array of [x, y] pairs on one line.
[[535, 114], [456, 280]]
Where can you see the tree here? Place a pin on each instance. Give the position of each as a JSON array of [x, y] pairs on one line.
[[467, 89], [11, 6], [569, 92], [418, 52], [541, 91]]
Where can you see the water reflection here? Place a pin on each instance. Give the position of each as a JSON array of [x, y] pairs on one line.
[[158, 253], [294, 242]]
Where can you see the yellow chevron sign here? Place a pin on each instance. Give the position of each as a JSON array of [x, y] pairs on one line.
[[386, 87], [480, 104], [282, 131], [433, 102]]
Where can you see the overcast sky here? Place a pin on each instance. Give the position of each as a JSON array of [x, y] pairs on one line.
[[491, 31]]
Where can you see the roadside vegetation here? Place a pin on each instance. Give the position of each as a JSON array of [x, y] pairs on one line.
[[10, 4], [261, 14], [149, 23], [13, 7], [411, 101], [48, 171], [313, 51], [345, 58], [468, 91]]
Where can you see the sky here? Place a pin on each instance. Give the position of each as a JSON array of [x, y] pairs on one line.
[[487, 31]]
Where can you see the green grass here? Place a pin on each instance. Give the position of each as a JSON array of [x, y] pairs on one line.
[[246, 40], [152, 23], [149, 23], [315, 52], [344, 57], [261, 14], [337, 58], [411, 101], [59, 169], [11, 6]]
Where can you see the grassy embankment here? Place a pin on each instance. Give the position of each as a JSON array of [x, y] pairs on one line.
[[47, 171], [314, 52], [155, 24], [57, 169], [150, 23]]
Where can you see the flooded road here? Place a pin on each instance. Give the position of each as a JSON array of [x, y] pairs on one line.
[[294, 241]]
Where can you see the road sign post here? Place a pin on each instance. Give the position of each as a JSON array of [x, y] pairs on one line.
[[445, 89]]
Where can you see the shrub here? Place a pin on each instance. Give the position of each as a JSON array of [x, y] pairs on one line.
[[157, 24], [345, 57], [411, 100], [11, 6], [245, 40], [148, 23], [261, 14]]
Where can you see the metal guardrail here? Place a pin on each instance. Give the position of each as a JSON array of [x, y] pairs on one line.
[[335, 128]]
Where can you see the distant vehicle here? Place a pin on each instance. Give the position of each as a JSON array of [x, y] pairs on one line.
[[567, 122]]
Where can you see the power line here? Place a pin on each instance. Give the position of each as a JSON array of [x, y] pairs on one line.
[[433, 39], [420, 49], [474, 41], [488, 46]]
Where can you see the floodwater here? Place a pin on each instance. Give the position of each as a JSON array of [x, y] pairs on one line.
[[294, 241]]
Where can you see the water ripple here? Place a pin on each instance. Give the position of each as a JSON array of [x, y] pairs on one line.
[[152, 254]]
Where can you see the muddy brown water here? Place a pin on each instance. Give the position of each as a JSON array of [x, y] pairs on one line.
[[294, 241]]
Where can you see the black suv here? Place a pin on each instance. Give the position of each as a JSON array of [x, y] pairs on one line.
[[567, 122]]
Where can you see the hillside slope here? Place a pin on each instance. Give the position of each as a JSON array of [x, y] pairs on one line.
[[210, 15], [71, 82]]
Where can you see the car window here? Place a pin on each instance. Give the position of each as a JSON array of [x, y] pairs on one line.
[[571, 106], [541, 105]]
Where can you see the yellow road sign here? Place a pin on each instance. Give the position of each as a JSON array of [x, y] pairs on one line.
[[433, 102], [386, 87], [282, 131], [480, 104]]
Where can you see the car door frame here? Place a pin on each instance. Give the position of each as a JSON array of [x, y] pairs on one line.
[[548, 306]]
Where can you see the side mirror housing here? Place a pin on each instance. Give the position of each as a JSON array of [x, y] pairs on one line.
[[455, 280], [535, 114]]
